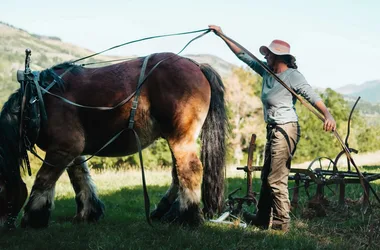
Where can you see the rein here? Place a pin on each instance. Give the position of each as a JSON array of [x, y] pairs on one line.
[[142, 39], [363, 181]]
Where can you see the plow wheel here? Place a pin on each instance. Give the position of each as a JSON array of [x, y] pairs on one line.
[[322, 173]]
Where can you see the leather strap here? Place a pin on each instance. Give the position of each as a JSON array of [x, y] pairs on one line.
[[135, 101], [41, 103]]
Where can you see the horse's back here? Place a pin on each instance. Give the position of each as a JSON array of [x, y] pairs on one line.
[[174, 100], [106, 85]]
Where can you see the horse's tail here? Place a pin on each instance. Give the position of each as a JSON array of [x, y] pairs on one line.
[[213, 145]]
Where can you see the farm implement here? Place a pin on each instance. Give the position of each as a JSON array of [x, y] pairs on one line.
[[322, 172]]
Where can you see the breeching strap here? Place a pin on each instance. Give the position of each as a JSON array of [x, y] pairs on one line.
[[135, 103], [363, 181]]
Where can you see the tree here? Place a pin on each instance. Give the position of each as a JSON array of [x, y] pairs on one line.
[[244, 112]]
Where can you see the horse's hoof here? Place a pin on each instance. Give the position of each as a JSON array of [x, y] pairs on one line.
[[3, 219], [10, 226], [78, 219], [173, 214], [6, 225], [36, 218], [93, 214], [97, 212], [162, 208], [34, 223], [192, 216]]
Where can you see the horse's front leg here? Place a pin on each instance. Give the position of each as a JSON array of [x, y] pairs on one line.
[[41, 201], [89, 207]]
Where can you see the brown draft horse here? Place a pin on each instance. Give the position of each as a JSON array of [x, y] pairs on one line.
[[179, 101]]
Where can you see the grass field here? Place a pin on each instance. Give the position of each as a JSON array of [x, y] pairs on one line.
[[125, 227]]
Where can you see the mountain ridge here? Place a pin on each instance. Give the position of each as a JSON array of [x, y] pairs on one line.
[[369, 91]]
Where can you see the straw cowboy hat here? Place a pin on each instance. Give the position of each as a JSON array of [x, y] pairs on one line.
[[277, 47]]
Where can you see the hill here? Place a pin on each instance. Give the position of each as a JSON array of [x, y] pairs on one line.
[[50, 50], [224, 68], [369, 91], [369, 104], [46, 52]]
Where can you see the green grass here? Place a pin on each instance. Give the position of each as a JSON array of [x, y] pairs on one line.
[[125, 227]]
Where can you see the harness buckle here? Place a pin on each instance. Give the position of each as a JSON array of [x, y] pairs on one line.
[[33, 100], [135, 104]]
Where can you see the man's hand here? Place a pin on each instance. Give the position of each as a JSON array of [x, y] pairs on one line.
[[330, 124], [217, 30]]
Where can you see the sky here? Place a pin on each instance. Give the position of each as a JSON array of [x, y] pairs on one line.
[[335, 42]]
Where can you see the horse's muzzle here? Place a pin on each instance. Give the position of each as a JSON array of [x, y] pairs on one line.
[[11, 203]]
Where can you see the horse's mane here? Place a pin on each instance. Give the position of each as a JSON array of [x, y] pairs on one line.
[[64, 65], [9, 138], [50, 74]]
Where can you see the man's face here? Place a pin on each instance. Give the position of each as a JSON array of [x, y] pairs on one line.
[[271, 58]]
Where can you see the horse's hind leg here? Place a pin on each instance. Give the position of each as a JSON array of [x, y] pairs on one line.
[[41, 201], [89, 207], [169, 197], [190, 172]]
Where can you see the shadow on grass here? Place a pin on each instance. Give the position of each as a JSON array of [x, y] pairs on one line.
[[124, 227]]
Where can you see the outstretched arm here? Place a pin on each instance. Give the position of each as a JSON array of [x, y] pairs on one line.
[[238, 51], [218, 31]]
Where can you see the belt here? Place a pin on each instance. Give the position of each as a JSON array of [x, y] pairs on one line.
[[274, 125]]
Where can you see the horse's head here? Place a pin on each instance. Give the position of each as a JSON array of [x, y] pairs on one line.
[[13, 190], [12, 199]]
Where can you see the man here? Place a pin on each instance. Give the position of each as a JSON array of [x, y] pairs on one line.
[[283, 131]]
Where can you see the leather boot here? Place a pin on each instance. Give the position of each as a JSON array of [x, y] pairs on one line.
[[284, 227], [253, 219]]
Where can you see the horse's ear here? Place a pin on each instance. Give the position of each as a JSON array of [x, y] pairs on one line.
[[20, 76]]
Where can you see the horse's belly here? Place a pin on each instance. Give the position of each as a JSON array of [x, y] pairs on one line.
[[125, 144]]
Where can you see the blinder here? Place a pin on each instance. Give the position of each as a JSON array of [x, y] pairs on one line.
[[31, 112]]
